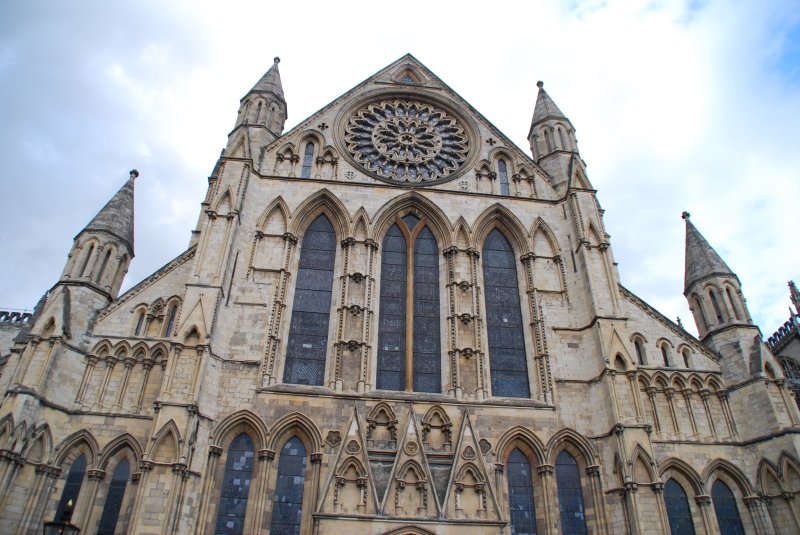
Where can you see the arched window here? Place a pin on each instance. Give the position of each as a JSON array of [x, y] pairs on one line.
[[86, 260], [72, 486], [139, 323], [409, 243], [678, 512], [725, 507], [791, 369], [501, 166], [235, 486], [547, 142], [570, 495], [685, 354], [700, 314], [258, 113], [664, 355], [638, 347], [507, 356], [171, 322], [520, 494], [561, 136], [308, 329], [308, 159], [716, 307], [733, 304], [116, 493], [287, 508], [105, 263]]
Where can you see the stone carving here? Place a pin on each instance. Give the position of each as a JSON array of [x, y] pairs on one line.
[[406, 141], [333, 439], [353, 447], [411, 447], [469, 453], [485, 446]]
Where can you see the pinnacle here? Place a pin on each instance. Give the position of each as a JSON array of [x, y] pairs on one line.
[[545, 107], [701, 259], [271, 81], [116, 217]]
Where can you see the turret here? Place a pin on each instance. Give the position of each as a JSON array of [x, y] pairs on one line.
[[553, 143], [102, 251], [265, 106]]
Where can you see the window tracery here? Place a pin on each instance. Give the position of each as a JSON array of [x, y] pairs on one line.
[[235, 486], [407, 141]]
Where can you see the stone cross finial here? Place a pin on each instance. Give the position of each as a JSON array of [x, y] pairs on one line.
[[685, 215], [277, 59], [134, 173], [539, 84]]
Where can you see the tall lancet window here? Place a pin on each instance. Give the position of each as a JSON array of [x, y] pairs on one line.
[[308, 159], [287, 509], [520, 494], [410, 261], [507, 357], [235, 486], [678, 512], [116, 493], [308, 329], [570, 495], [501, 166], [730, 523], [72, 486]]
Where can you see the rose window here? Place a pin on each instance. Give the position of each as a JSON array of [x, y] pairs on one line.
[[405, 141]]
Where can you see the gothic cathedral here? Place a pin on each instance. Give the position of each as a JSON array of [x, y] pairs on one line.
[[391, 320]]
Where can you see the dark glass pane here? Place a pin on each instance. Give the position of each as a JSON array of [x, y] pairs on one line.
[[72, 486], [411, 221], [392, 317], [501, 165], [116, 493], [678, 512], [311, 310], [427, 346], [171, 321], [507, 356], [287, 509], [308, 159], [725, 507], [235, 487], [520, 494], [570, 495]]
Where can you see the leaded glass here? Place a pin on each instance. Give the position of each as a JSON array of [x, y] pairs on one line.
[[287, 509], [308, 328], [501, 166], [427, 352], [392, 317], [235, 487], [520, 494], [116, 493], [570, 495], [72, 486], [308, 159], [678, 512], [507, 356], [725, 507]]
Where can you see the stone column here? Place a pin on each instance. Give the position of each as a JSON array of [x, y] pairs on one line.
[[598, 499], [709, 519], [204, 499], [145, 467], [704, 395], [85, 516], [651, 393], [611, 381], [199, 372], [670, 393], [658, 490], [129, 363], [261, 495], [726, 409], [633, 379], [316, 461], [788, 497], [53, 342], [176, 353], [546, 472], [111, 361], [501, 485], [25, 359], [91, 362], [147, 365], [761, 519], [687, 395], [631, 491], [791, 406]]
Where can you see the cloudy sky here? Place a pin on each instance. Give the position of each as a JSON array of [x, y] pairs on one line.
[[679, 105]]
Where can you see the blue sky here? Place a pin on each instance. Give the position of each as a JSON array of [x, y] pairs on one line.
[[678, 106]]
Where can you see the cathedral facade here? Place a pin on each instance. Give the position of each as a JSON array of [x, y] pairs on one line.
[[391, 320]]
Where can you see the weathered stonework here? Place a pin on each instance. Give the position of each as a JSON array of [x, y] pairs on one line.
[[176, 392]]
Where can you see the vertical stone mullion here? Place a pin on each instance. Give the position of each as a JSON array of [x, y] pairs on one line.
[[214, 453], [316, 461], [709, 520], [705, 395], [726, 409], [658, 490], [366, 353], [269, 369], [129, 363], [111, 362], [147, 365], [687, 395], [651, 393], [91, 362], [637, 395], [145, 467], [261, 495], [597, 497], [87, 508], [549, 491], [634, 520]]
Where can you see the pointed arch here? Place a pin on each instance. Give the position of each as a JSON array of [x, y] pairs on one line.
[[413, 465], [352, 461], [593, 234], [639, 453], [323, 201], [500, 217], [231, 424], [121, 348], [515, 436], [123, 441], [76, 439], [227, 194], [240, 142], [409, 530], [382, 407], [158, 348], [167, 431], [469, 467], [717, 466], [140, 351], [438, 221], [682, 467], [361, 224], [766, 469], [277, 205], [44, 436], [566, 436], [102, 348], [6, 428], [541, 226], [293, 422], [462, 235], [436, 410]]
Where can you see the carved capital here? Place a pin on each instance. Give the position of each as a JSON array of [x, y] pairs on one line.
[[145, 466], [658, 487], [452, 250], [788, 495], [372, 244], [316, 458], [703, 501], [291, 238], [618, 429], [593, 471], [97, 475], [214, 451], [546, 469], [347, 242], [136, 477]]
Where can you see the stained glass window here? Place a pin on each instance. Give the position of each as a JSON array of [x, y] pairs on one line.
[[235, 487], [427, 352], [678, 511], [501, 166], [116, 493], [72, 486], [392, 317], [308, 159], [570, 495], [287, 509], [507, 356], [725, 507], [308, 329], [520, 494]]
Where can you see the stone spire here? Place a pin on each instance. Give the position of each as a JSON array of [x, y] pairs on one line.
[[545, 108], [795, 295], [702, 261], [116, 217], [271, 82]]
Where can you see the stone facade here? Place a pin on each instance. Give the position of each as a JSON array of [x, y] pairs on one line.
[[242, 387]]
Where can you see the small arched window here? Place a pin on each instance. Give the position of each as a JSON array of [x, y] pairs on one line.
[[287, 508], [700, 315], [561, 136], [258, 113], [139, 323], [171, 323], [501, 166], [717, 311], [685, 354], [520, 494], [665, 355], [730, 523], [678, 511], [733, 304], [236, 486], [103, 267], [308, 159], [639, 356], [116, 493], [547, 142], [86, 261], [72, 485], [791, 370], [570, 495]]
